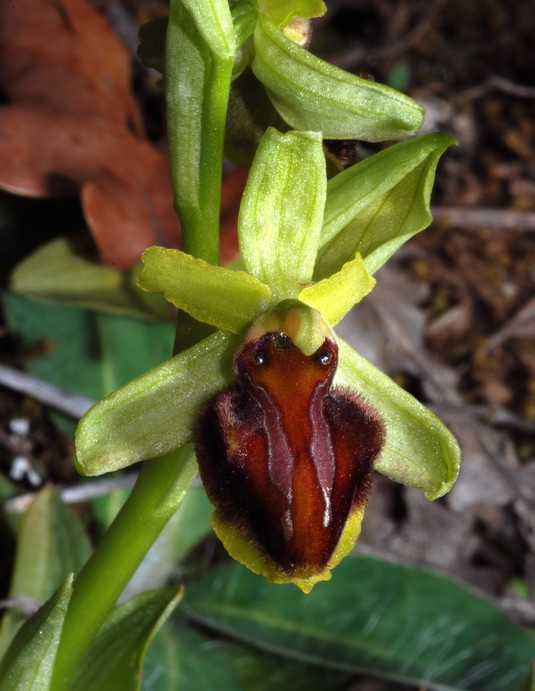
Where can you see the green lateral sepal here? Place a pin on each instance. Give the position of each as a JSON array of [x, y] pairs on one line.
[[154, 414], [419, 450]]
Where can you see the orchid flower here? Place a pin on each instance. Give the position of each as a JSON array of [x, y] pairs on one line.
[[288, 421]]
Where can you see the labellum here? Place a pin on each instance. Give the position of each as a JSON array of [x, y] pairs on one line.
[[286, 459]]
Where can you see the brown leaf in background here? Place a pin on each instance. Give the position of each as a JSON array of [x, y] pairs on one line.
[[62, 55], [72, 125]]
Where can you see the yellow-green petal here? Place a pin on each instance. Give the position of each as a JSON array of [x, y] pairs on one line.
[[333, 297], [229, 300], [419, 449], [154, 414]]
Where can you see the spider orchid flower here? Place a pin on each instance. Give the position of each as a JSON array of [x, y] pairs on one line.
[[288, 421]]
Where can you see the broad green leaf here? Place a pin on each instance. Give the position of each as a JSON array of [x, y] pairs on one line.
[[200, 52], [181, 657], [28, 663], [282, 210], [419, 450], [52, 543], [335, 296], [229, 300], [378, 204], [374, 617], [84, 352], [282, 12], [155, 413], [115, 659], [310, 94], [62, 271]]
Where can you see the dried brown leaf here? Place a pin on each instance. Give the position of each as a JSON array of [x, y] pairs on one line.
[[62, 55]]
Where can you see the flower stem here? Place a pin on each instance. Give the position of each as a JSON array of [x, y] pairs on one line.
[[198, 74], [156, 496], [200, 52]]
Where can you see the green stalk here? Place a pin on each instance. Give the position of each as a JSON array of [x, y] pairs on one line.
[[200, 55], [199, 61], [156, 496]]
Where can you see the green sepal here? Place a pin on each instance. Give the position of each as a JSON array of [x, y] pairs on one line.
[[419, 450], [282, 210], [310, 94], [229, 300], [334, 296], [282, 12], [377, 204], [154, 414]]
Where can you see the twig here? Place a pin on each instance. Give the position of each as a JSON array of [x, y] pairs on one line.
[[496, 84], [491, 414], [72, 405], [76, 494], [493, 219]]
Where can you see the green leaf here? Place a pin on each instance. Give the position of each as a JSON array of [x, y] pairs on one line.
[[62, 271], [282, 210], [154, 414], [183, 658], [85, 352], [200, 52], [52, 543], [419, 450], [229, 300], [310, 94], [28, 664], [335, 296], [115, 659], [378, 204], [387, 620], [282, 12]]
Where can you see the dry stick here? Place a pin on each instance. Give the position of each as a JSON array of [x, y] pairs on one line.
[[72, 405], [480, 217]]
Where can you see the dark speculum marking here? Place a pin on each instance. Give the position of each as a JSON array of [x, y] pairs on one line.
[[285, 457]]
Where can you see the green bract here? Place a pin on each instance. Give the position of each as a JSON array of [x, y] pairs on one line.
[[283, 236], [309, 93], [290, 87]]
